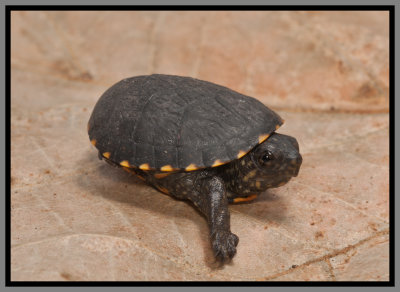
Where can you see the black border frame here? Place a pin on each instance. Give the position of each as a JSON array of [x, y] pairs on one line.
[[10, 8]]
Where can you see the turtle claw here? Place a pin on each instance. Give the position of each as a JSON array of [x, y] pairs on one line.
[[224, 245]]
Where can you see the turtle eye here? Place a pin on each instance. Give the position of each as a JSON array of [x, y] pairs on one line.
[[268, 156]]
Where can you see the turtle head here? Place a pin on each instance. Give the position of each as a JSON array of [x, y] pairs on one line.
[[277, 160]]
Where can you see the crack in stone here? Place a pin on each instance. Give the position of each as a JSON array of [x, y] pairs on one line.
[[47, 239], [154, 48], [182, 242], [178, 264], [48, 71], [200, 49], [55, 179], [327, 256], [36, 69], [59, 218], [326, 44], [119, 212], [37, 146], [69, 48], [331, 270]]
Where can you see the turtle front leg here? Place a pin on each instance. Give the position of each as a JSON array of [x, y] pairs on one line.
[[212, 201]]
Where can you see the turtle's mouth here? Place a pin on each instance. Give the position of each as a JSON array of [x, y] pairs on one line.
[[294, 166], [291, 172], [295, 171], [280, 178]]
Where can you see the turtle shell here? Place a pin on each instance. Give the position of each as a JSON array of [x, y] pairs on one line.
[[169, 123]]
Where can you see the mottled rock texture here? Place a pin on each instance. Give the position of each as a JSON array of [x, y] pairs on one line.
[[74, 217]]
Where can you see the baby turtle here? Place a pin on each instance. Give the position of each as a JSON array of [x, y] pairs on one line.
[[197, 141]]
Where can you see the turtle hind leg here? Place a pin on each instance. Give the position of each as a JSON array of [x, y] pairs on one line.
[[212, 201]]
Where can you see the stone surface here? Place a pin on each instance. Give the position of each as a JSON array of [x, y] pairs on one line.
[[369, 261], [320, 271], [74, 217]]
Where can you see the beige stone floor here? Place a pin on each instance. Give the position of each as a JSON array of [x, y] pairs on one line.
[[326, 73]]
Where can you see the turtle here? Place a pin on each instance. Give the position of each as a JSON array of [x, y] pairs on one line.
[[197, 141]]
